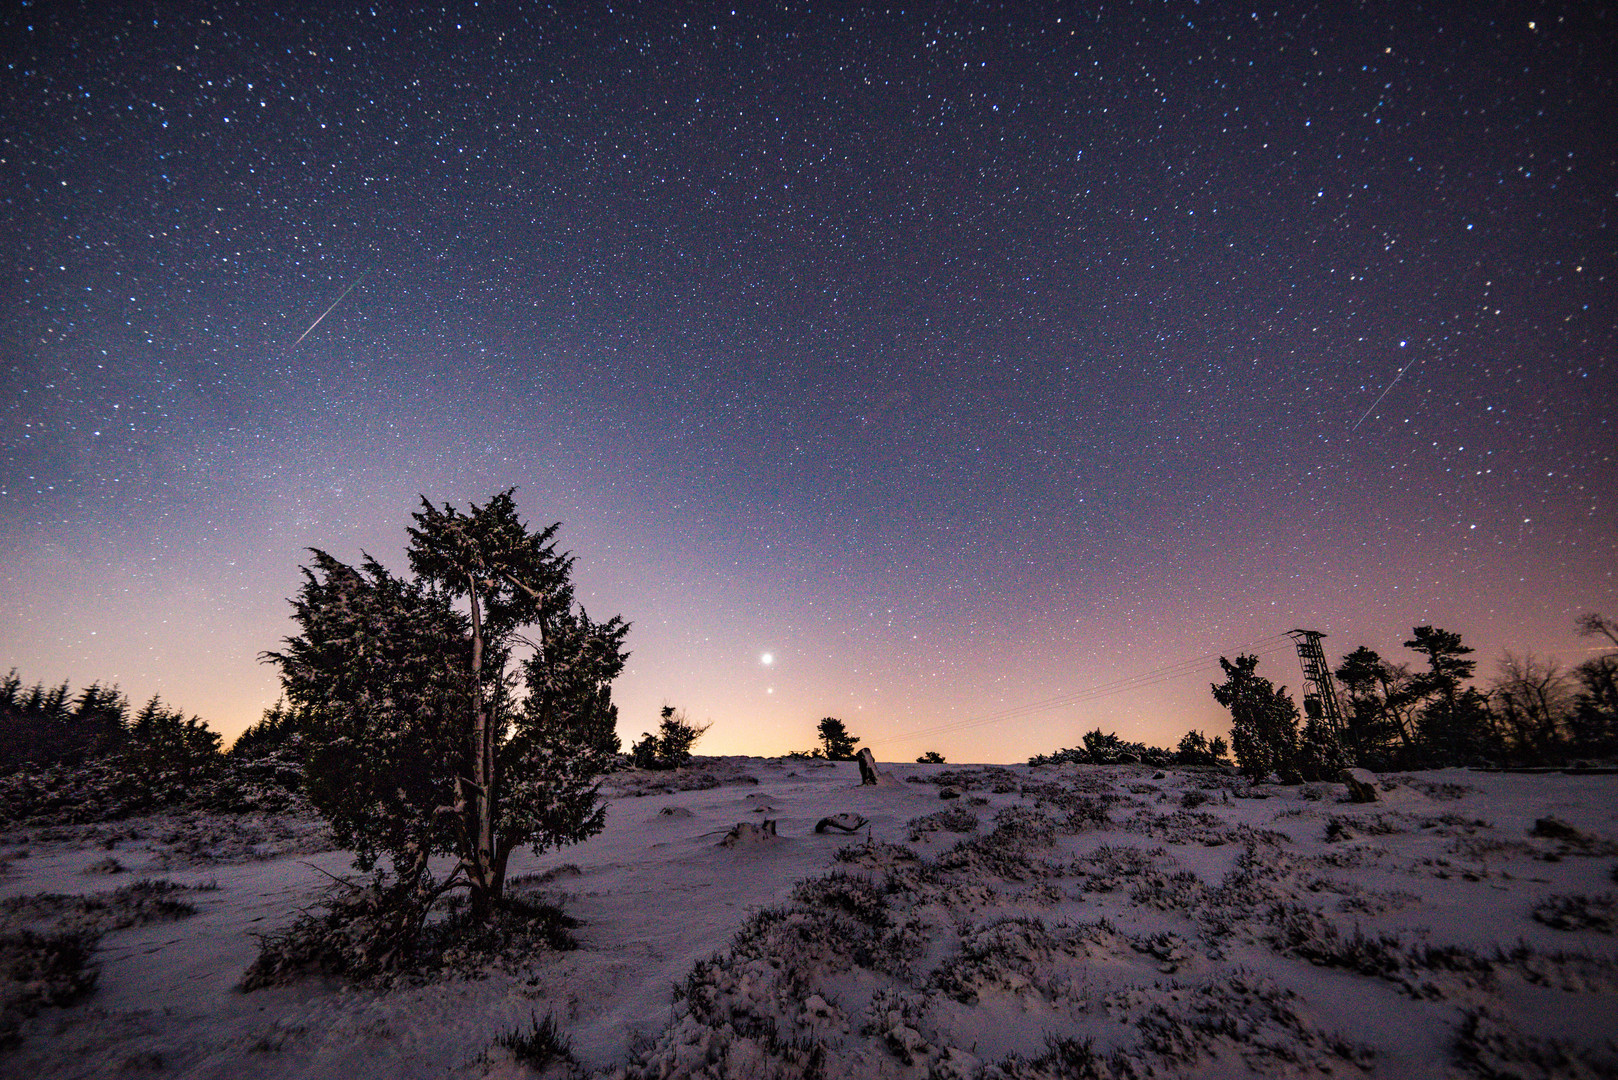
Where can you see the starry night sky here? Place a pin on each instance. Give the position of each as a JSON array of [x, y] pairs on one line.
[[962, 357]]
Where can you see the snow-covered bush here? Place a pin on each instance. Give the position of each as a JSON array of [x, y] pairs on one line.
[[957, 819], [37, 970], [377, 931], [1579, 912]]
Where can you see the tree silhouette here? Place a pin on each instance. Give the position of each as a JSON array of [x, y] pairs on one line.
[[415, 744], [1263, 720], [838, 743]]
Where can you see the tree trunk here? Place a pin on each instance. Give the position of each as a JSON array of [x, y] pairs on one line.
[[485, 887]]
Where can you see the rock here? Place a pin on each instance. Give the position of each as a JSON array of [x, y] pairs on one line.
[[746, 832], [956, 1064], [1555, 829], [1361, 785], [906, 1042], [950, 793], [846, 823], [867, 763]]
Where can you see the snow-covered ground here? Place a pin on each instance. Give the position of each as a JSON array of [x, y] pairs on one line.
[[1048, 921]]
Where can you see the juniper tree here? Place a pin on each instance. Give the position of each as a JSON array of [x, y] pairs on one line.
[[1447, 667], [835, 737], [1263, 720], [1379, 703], [416, 741], [670, 747]]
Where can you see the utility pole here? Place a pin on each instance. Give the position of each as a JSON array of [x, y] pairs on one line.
[[1319, 691]]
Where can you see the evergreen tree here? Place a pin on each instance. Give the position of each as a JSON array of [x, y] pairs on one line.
[[1377, 702], [1455, 728], [1446, 663], [415, 744], [166, 746], [1459, 731], [1102, 747], [1594, 721], [1264, 720], [670, 748], [569, 681], [835, 738], [1197, 749], [281, 727]]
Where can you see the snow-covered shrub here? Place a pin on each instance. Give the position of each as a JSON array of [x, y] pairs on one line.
[[1011, 851], [359, 932], [38, 970], [539, 1046], [1077, 806], [831, 923], [1349, 827], [1184, 827], [380, 932], [957, 819], [1488, 1045], [1018, 954], [1579, 912], [141, 902], [1306, 933]]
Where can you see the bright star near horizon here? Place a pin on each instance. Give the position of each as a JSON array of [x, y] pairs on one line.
[[767, 659]]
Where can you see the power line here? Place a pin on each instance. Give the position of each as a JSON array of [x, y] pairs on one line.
[[1167, 673]]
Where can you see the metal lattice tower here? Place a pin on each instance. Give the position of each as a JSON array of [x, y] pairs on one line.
[[1319, 691]]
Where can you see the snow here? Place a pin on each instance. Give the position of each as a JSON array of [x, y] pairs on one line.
[[1069, 926]]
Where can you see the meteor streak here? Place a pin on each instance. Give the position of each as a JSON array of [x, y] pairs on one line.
[[334, 304], [1382, 395]]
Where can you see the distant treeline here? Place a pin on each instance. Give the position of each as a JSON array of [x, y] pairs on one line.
[[1426, 714], [85, 756], [1429, 713], [1099, 748], [45, 726]]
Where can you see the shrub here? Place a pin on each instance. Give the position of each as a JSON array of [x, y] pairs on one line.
[[370, 932], [1579, 912], [37, 970], [540, 1045], [670, 748], [931, 757]]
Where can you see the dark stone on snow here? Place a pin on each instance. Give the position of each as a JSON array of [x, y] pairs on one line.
[[845, 823], [1361, 785]]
